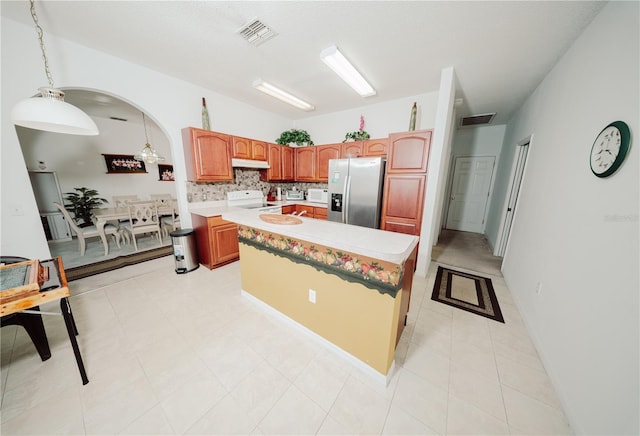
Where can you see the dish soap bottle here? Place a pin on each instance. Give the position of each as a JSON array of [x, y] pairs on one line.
[[205, 116]]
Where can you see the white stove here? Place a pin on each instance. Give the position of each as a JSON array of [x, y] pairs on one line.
[[251, 199]]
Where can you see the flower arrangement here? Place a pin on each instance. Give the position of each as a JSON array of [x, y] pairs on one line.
[[295, 136], [358, 135]]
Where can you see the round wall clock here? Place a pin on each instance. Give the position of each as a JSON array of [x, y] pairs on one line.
[[610, 149]]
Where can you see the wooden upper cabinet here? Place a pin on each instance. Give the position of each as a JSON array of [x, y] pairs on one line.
[[274, 172], [245, 148], [409, 152], [305, 158], [207, 155], [375, 147], [259, 150], [351, 149], [241, 147], [324, 153], [288, 157]]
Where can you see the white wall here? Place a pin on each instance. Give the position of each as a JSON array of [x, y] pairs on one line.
[[380, 119], [171, 102], [78, 160], [576, 234]]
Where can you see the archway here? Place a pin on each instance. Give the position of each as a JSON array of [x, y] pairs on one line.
[[58, 164]]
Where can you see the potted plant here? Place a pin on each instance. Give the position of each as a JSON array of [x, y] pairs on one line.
[[82, 203], [358, 135], [294, 136]]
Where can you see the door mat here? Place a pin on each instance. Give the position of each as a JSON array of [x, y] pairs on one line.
[[467, 292], [83, 271]]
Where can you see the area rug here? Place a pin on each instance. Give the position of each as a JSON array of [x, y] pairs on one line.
[[467, 292], [83, 271]]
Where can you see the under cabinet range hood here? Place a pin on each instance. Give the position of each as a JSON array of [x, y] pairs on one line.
[[248, 163]]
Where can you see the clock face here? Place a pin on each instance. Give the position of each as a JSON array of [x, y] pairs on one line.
[[610, 149]]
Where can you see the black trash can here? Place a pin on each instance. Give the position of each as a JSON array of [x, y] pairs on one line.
[[185, 252]]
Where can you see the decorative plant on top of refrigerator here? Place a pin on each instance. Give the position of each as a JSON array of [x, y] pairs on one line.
[[358, 135]]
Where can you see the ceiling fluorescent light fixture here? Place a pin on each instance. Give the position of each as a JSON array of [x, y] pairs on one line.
[[347, 72], [49, 111], [281, 95]]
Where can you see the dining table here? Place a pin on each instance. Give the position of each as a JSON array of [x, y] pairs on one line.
[[104, 215]]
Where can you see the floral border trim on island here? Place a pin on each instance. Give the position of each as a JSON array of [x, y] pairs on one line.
[[384, 277]]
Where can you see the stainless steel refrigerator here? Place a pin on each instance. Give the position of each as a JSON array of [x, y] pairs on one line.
[[355, 191]]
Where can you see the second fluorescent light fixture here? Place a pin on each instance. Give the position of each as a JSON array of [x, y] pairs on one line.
[[347, 72], [278, 93]]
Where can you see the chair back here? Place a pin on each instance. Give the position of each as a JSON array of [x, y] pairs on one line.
[[163, 200], [122, 200], [143, 214], [67, 217]]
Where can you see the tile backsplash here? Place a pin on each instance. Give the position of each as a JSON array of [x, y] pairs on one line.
[[244, 179]]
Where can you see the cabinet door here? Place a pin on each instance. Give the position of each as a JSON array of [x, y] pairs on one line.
[[351, 149], [308, 210], [375, 147], [288, 157], [402, 204], [288, 210], [320, 213], [225, 242], [305, 163], [207, 155], [409, 152], [324, 153], [242, 148], [274, 172], [258, 150]]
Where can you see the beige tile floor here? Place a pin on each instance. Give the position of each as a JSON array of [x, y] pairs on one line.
[[187, 354]]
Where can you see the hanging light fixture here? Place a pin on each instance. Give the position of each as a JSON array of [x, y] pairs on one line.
[[49, 111], [148, 154]]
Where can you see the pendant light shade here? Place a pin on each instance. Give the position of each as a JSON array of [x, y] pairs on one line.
[[51, 113], [148, 154]]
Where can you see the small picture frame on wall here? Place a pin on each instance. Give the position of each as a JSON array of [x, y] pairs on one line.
[[123, 164], [165, 173]]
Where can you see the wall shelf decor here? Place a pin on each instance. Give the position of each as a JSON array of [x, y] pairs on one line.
[[123, 164], [165, 173]]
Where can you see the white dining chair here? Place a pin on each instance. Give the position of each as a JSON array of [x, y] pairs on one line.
[[90, 231], [122, 200], [143, 218]]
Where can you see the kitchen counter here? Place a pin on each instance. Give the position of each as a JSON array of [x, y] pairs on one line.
[[347, 286], [217, 208], [379, 244]]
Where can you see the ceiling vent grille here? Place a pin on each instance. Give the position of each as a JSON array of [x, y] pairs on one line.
[[255, 32], [477, 120]]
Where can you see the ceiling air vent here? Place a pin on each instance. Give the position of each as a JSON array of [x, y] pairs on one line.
[[476, 120], [255, 32]]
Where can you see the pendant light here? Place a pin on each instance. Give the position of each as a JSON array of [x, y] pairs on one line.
[[49, 111], [148, 154]]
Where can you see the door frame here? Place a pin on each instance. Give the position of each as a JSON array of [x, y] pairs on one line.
[[452, 171], [516, 180]]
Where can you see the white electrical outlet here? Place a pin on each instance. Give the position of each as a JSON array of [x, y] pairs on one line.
[[539, 288], [312, 296]]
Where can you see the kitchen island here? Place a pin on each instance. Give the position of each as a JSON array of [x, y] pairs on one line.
[[349, 285]]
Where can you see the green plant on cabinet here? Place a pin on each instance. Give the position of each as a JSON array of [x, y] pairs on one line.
[[294, 136]]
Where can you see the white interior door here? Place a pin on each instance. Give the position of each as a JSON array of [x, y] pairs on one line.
[[517, 172], [470, 193]]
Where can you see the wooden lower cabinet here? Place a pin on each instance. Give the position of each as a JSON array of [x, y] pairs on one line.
[[320, 213], [288, 210], [402, 203], [216, 239]]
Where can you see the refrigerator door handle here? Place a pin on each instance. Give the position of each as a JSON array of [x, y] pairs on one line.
[[346, 200]]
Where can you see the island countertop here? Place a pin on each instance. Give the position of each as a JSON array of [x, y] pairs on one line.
[[380, 244]]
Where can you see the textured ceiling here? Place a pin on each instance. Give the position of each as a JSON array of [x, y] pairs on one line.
[[500, 50]]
